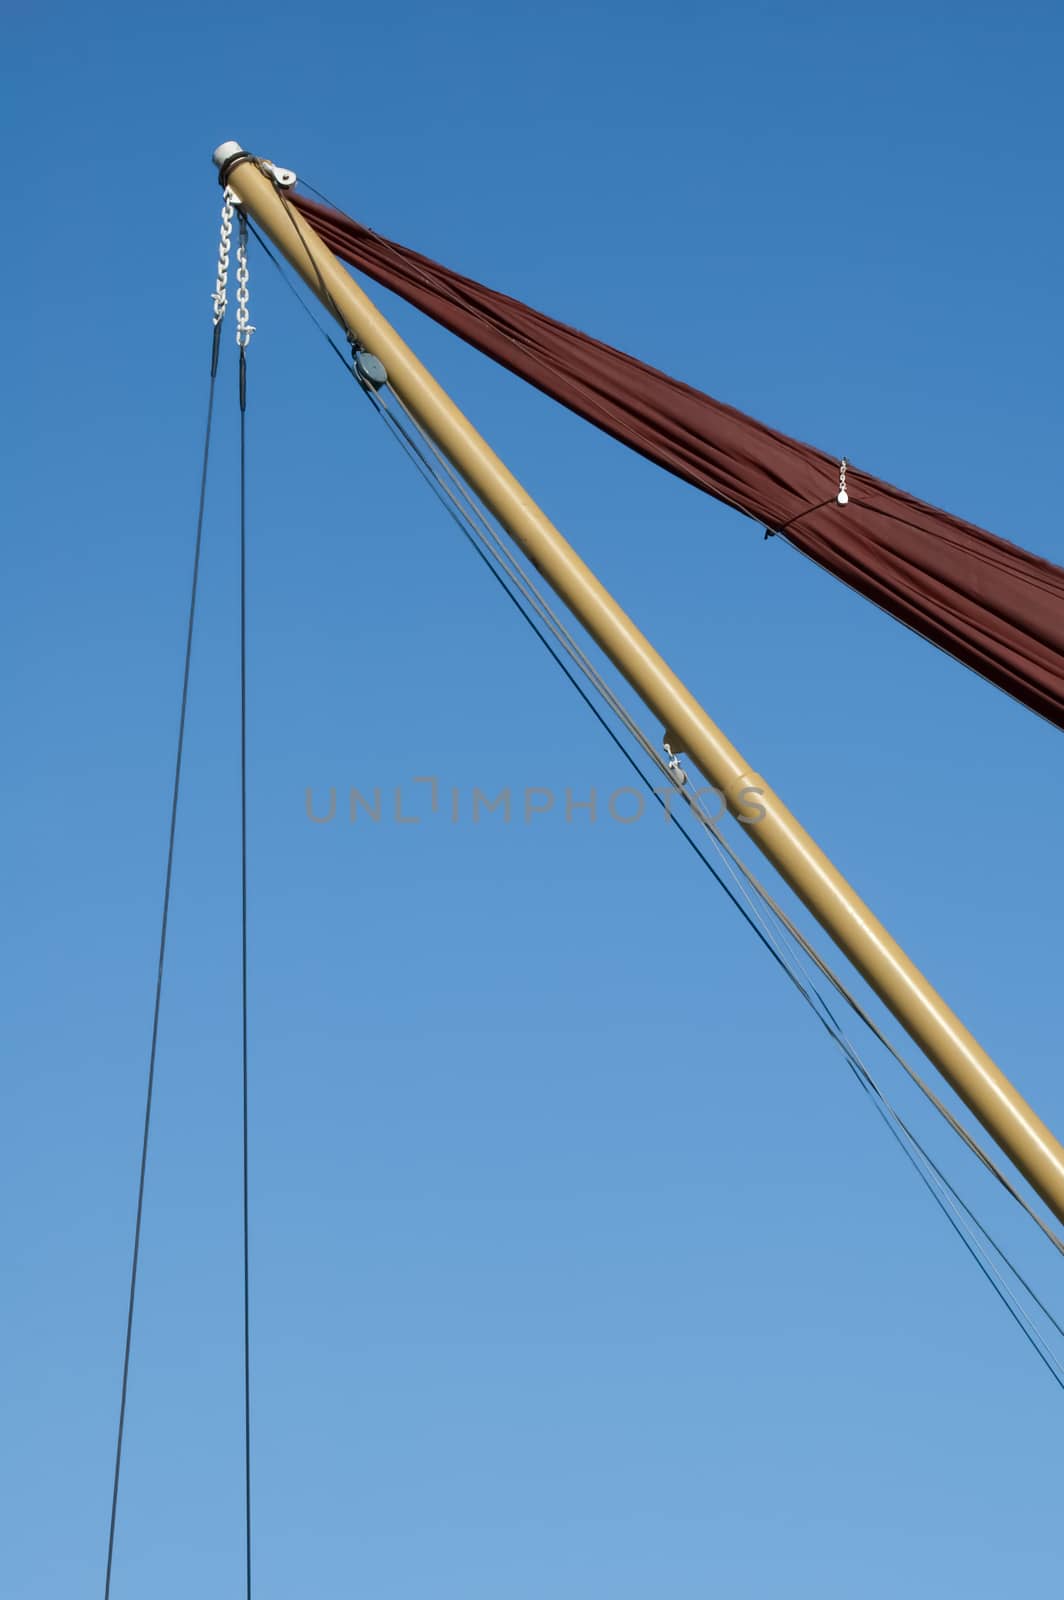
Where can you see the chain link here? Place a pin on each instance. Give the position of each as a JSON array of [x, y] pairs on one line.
[[244, 328], [842, 498], [221, 296]]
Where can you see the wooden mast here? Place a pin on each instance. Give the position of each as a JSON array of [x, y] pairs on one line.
[[928, 1020]]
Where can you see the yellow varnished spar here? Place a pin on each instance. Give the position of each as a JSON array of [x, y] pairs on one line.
[[922, 1012]]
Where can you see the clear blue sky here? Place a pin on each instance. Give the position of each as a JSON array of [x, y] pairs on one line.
[[580, 1265]]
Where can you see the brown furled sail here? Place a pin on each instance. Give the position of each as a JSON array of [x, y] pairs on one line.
[[994, 606]]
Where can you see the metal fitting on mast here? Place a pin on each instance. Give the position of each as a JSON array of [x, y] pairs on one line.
[[230, 155]]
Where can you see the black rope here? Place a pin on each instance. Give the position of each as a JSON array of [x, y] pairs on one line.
[[244, 943], [937, 1183], [215, 345], [290, 286], [402, 437], [935, 1180]]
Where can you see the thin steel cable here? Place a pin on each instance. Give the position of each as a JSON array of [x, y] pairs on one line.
[[297, 297], [244, 957], [737, 867], [168, 882], [610, 732], [940, 1187], [953, 1206]]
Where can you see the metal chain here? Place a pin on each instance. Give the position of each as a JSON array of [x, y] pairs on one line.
[[842, 498], [244, 328], [220, 296]]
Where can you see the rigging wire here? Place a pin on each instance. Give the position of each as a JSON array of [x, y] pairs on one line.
[[737, 865], [244, 332], [503, 555], [953, 1206], [734, 863], [463, 507], [164, 921], [761, 897], [243, 337]]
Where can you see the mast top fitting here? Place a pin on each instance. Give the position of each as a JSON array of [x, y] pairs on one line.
[[227, 156]]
